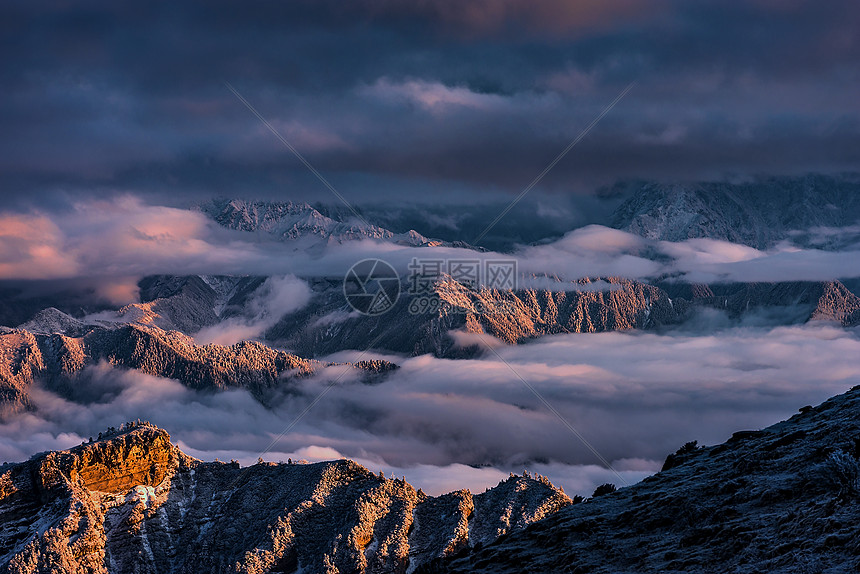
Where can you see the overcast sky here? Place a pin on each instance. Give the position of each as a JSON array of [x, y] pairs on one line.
[[429, 100]]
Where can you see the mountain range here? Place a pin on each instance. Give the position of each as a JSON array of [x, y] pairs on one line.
[[758, 213], [289, 221], [782, 499], [326, 325], [56, 349]]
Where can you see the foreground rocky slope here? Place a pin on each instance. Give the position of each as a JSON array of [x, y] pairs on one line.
[[783, 499], [56, 360], [133, 502]]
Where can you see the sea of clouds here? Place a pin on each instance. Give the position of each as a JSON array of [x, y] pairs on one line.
[[447, 424], [630, 397]]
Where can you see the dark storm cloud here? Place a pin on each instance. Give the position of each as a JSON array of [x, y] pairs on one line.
[[385, 97]]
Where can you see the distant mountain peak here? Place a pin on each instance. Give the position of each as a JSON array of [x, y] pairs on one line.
[[758, 213], [293, 221]]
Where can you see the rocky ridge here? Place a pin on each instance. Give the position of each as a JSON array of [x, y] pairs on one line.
[[57, 360], [169, 302], [327, 324], [294, 221], [133, 502]]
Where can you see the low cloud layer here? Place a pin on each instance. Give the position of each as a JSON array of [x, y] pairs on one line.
[[635, 397], [276, 297]]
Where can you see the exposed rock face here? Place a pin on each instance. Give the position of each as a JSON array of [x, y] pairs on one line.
[[783, 499], [135, 503], [837, 303], [326, 325], [57, 359], [50, 519], [757, 213]]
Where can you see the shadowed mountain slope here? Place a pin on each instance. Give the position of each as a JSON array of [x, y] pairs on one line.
[[757, 213], [783, 499]]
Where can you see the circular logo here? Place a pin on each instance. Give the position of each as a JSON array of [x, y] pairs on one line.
[[371, 287]]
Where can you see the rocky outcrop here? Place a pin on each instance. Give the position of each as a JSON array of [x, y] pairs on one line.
[[135, 503], [57, 360], [783, 499], [21, 362], [50, 509]]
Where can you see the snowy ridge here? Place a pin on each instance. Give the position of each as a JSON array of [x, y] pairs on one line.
[[57, 360], [815, 210], [293, 221]]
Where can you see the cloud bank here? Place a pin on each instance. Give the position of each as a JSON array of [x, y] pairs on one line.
[[635, 397], [114, 243], [276, 297]]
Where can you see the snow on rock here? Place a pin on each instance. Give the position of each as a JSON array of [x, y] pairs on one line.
[[757, 213]]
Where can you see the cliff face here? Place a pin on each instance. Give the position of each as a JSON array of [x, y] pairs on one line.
[[513, 316], [516, 316], [783, 499], [134, 503], [49, 516]]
